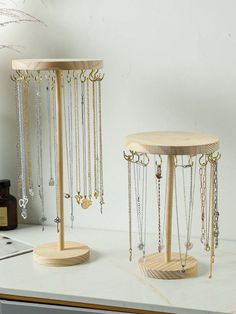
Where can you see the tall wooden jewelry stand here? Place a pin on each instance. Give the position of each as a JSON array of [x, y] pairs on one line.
[[60, 253], [166, 265]]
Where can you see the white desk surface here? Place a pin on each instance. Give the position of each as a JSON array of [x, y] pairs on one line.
[[110, 279]]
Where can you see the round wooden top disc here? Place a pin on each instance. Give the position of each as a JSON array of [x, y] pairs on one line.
[[56, 64], [172, 143]]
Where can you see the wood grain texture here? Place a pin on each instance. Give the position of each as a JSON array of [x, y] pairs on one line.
[[56, 64], [155, 266], [74, 253], [172, 143]]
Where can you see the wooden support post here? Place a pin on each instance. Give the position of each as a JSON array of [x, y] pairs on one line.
[[169, 205], [59, 139]]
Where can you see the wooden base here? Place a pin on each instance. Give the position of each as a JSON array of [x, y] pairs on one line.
[[154, 266], [74, 253]]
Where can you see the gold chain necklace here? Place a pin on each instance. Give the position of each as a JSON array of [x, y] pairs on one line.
[[77, 143], [89, 143], [94, 139]]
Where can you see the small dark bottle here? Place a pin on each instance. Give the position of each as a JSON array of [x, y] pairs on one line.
[[8, 207]]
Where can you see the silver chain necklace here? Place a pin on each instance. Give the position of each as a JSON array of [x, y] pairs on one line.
[[69, 142], [189, 212], [140, 181], [40, 150], [78, 195], [188, 243], [50, 130], [23, 201]]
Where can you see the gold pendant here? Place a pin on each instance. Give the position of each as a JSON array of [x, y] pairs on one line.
[[86, 202], [96, 194], [78, 198]]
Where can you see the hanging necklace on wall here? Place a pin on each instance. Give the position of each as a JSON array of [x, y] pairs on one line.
[[158, 177], [23, 200], [49, 105], [38, 111]]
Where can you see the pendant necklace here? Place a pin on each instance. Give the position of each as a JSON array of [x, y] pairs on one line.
[[23, 201], [57, 220], [89, 142], [96, 194], [86, 202], [50, 131], [78, 195], [140, 180], [189, 213], [27, 137], [38, 110], [69, 142], [129, 158], [188, 244]]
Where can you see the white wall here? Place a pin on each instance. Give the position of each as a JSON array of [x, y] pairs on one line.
[[170, 65]]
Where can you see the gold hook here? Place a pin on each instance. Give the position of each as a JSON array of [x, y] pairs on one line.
[[99, 76], [91, 75], [203, 163], [82, 76], [190, 161], [137, 157], [37, 77], [176, 161], [212, 158], [13, 77], [74, 75], [128, 157], [68, 77], [160, 161], [145, 163]]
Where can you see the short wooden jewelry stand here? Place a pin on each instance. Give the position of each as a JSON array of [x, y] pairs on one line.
[[59, 253], [167, 265]]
